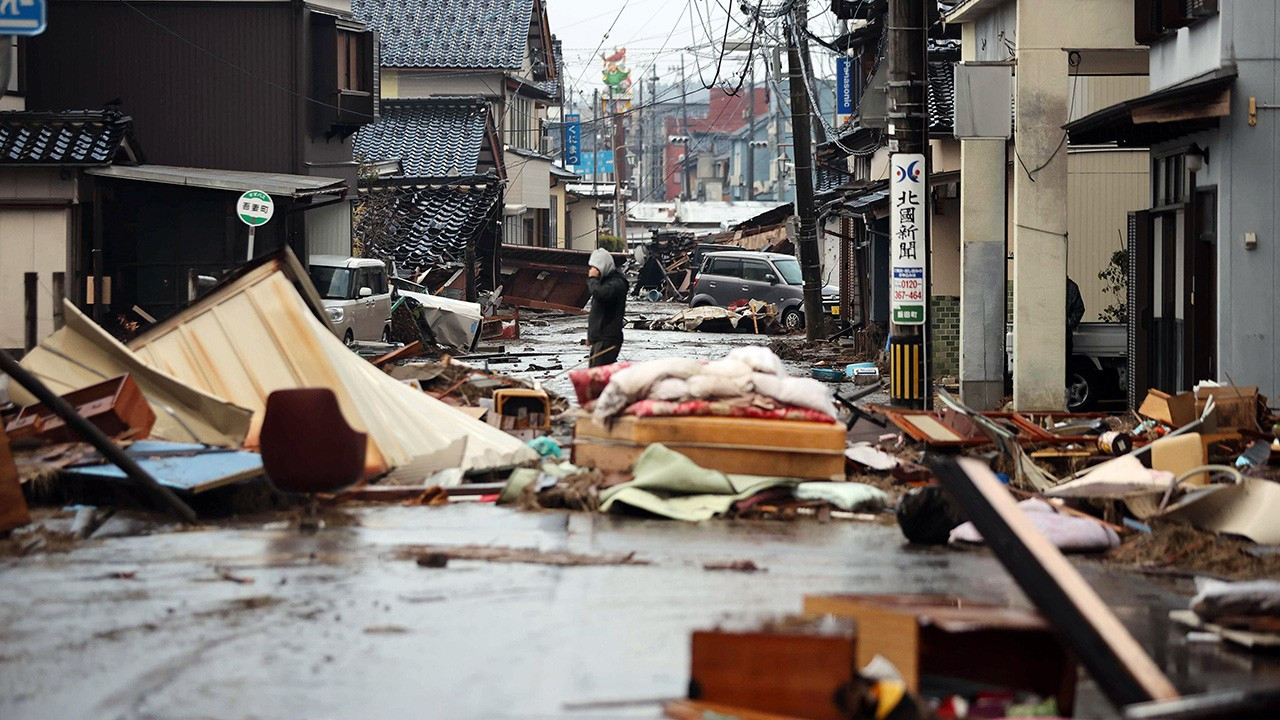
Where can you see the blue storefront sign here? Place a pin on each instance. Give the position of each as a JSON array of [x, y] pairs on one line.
[[572, 139], [22, 17]]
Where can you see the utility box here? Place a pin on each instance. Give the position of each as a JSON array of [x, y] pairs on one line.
[[984, 101]]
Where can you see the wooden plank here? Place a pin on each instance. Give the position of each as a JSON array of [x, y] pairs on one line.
[[413, 349], [732, 445], [1119, 665], [698, 710], [13, 506]]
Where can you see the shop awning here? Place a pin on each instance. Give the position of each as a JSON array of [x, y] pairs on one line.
[[1173, 112]]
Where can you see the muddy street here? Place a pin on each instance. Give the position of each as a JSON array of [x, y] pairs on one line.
[[252, 620]]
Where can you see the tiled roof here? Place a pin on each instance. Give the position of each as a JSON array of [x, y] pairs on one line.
[[432, 137], [62, 138], [829, 179], [430, 225], [449, 33]]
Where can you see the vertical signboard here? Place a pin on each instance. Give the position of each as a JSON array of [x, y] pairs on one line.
[[572, 139], [907, 239], [844, 90]]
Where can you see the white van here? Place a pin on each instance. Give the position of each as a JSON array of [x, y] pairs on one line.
[[356, 296]]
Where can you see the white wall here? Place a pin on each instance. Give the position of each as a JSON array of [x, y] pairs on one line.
[[31, 240], [329, 230]]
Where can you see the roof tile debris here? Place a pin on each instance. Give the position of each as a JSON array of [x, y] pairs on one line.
[[434, 137], [63, 138], [432, 225], [449, 33]]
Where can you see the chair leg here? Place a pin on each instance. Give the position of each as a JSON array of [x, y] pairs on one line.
[[310, 521]]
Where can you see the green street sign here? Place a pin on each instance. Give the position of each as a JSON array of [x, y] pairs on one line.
[[255, 208]]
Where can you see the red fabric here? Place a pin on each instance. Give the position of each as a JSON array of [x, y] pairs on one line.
[[588, 383], [756, 407]]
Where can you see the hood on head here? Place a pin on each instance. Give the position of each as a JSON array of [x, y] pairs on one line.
[[602, 260]]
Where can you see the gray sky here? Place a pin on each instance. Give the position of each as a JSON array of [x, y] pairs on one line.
[[654, 32]]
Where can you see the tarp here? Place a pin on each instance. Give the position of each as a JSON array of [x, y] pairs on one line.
[[455, 323], [82, 353], [257, 333]]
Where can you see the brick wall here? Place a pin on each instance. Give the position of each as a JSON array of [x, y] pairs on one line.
[[945, 335]]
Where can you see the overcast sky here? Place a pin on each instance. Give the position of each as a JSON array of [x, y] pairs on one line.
[[655, 32]]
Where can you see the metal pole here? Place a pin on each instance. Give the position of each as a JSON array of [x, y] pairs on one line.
[[31, 303], [808, 241], [685, 190], [751, 130], [250, 253], [92, 435], [909, 207]]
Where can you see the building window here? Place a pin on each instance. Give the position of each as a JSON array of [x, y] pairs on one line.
[[351, 62], [1168, 179]]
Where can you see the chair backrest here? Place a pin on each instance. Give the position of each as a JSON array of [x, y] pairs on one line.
[[307, 445]]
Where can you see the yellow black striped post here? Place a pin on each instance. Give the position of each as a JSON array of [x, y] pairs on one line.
[[906, 371]]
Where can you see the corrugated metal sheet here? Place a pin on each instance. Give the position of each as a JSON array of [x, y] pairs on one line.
[[82, 353], [257, 334], [188, 107], [1102, 188]]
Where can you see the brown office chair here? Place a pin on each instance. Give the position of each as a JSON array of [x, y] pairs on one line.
[[308, 447]]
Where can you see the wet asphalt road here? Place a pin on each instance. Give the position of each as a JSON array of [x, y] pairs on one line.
[[336, 625]]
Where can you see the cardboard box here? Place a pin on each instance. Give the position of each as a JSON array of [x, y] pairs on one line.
[[1174, 410], [738, 446], [796, 671], [944, 636], [1237, 407]]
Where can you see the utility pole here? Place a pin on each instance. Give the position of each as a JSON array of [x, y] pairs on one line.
[[685, 190], [909, 207], [656, 141], [750, 194], [595, 156], [810, 268]]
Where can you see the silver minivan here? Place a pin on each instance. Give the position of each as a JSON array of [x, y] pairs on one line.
[[356, 296], [733, 275]]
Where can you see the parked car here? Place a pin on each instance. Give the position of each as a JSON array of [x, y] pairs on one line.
[[730, 276], [356, 296], [1097, 371]]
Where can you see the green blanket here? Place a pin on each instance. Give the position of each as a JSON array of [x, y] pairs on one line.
[[671, 485]]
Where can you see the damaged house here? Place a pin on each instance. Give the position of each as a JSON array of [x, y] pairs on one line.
[[432, 196], [501, 51]]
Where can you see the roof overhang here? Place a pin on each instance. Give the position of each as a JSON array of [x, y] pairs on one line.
[[294, 186], [971, 10], [1173, 112]]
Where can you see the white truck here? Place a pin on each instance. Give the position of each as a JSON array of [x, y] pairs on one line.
[[1097, 371]]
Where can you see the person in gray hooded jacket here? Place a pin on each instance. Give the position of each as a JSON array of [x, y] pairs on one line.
[[608, 304]]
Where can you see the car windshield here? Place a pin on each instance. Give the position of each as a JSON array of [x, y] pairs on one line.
[[332, 283], [790, 270]]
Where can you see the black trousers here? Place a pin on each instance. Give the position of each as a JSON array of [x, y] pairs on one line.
[[605, 352]]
